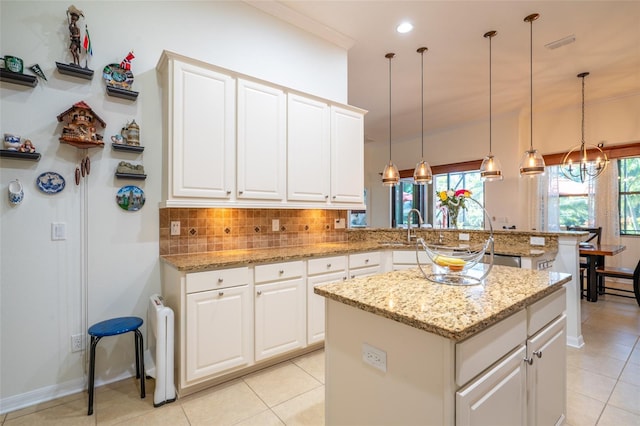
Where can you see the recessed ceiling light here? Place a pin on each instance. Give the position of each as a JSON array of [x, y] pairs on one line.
[[404, 27]]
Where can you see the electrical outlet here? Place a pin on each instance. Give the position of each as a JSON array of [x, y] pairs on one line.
[[375, 357], [175, 227], [537, 241], [340, 223], [463, 237], [76, 342], [275, 225]]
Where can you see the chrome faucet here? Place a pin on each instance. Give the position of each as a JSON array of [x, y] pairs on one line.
[[410, 236]]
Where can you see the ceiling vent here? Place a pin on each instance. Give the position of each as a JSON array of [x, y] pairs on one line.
[[559, 43]]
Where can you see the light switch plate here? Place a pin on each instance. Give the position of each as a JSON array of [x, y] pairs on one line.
[[58, 231], [275, 225], [537, 241]]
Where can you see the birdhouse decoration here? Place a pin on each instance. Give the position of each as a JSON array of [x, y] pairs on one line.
[[80, 126]]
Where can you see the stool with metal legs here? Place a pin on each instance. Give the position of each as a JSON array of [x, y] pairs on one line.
[[113, 327]]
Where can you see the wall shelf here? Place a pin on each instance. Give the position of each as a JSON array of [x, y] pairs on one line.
[[122, 93], [129, 148], [18, 78], [33, 156], [131, 176], [74, 70]]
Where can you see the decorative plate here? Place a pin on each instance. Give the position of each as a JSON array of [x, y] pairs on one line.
[[130, 198], [117, 77], [50, 182]]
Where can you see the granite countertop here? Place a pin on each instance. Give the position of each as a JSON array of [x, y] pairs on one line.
[[198, 262], [453, 312]]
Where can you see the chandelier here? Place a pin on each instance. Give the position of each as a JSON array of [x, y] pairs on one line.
[[584, 162]]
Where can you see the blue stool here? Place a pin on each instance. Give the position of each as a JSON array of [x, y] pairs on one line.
[[113, 327]]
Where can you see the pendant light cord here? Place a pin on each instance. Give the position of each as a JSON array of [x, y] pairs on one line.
[[490, 91], [531, 86], [389, 56], [583, 110], [422, 85]]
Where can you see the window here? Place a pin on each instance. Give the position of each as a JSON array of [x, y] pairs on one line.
[[404, 197], [575, 199], [471, 218], [629, 195]]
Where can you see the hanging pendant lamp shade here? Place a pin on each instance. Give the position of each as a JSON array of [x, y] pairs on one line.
[[590, 160], [491, 169], [422, 175], [390, 175], [532, 163]]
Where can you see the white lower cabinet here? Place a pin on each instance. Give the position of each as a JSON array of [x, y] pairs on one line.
[[280, 309], [321, 271], [526, 387], [219, 333], [407, 259], [365, 264], [497, 397]]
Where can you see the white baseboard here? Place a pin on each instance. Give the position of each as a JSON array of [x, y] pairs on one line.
[[49, 393]]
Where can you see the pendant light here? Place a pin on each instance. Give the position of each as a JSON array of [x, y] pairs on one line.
[[532, 163], [390, 175], [422, 174], [593, 160], [490, 169]]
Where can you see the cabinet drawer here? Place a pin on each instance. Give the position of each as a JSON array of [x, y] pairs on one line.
[[480, 351], [278, 271], [544, 311], [408, 257], [360, 260], [211, 280], [327, 264]]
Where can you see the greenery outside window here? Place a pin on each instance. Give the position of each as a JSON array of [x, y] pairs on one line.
[[629, 195], [404, 197], [576, 205]]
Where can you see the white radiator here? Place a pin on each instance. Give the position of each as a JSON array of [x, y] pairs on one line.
[[158, 359]]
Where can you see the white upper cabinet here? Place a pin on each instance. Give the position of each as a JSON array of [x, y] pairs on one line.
[[308, 149], [202, 133], [262, 157], [236, 141], [347, 156]]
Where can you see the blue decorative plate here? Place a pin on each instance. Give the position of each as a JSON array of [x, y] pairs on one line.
[[130, 198], [50, 182]]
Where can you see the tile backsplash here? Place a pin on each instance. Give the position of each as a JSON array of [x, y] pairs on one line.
[[216, 229]]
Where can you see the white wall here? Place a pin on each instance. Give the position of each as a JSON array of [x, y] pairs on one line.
[[613, 121], [42, 282]]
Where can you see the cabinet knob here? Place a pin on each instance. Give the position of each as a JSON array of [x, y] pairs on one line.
[[221, 293], [326, 196], [353, 276], [328, 265], [228, 192], [259, 292], [334, 197], [220, 280], [281, 271], [366, 261], [529, 360], [240, 192], [344, 278], [538, 354]]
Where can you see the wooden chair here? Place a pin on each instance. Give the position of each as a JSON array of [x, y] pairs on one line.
[[625, 273], [594, 237]]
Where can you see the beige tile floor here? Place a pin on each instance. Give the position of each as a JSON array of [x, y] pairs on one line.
[[603, 387]]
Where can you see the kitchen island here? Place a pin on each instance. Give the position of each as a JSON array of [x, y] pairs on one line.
[[402, 350]]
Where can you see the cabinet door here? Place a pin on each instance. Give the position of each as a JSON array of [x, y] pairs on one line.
[[347, 156], [307, 149], [315, 306], [280, 317], [219, 331], [546, 376], [262, 141], [498, 397], [202, 122]]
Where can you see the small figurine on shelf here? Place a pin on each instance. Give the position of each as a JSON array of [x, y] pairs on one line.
[[75, 47], [125, 167], [27, 146], [80, 128], [129, 135], [119, 78]]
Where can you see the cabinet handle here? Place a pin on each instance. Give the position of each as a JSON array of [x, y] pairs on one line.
[[538, 354], [221, 293], [220, 280], [259, 292]]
